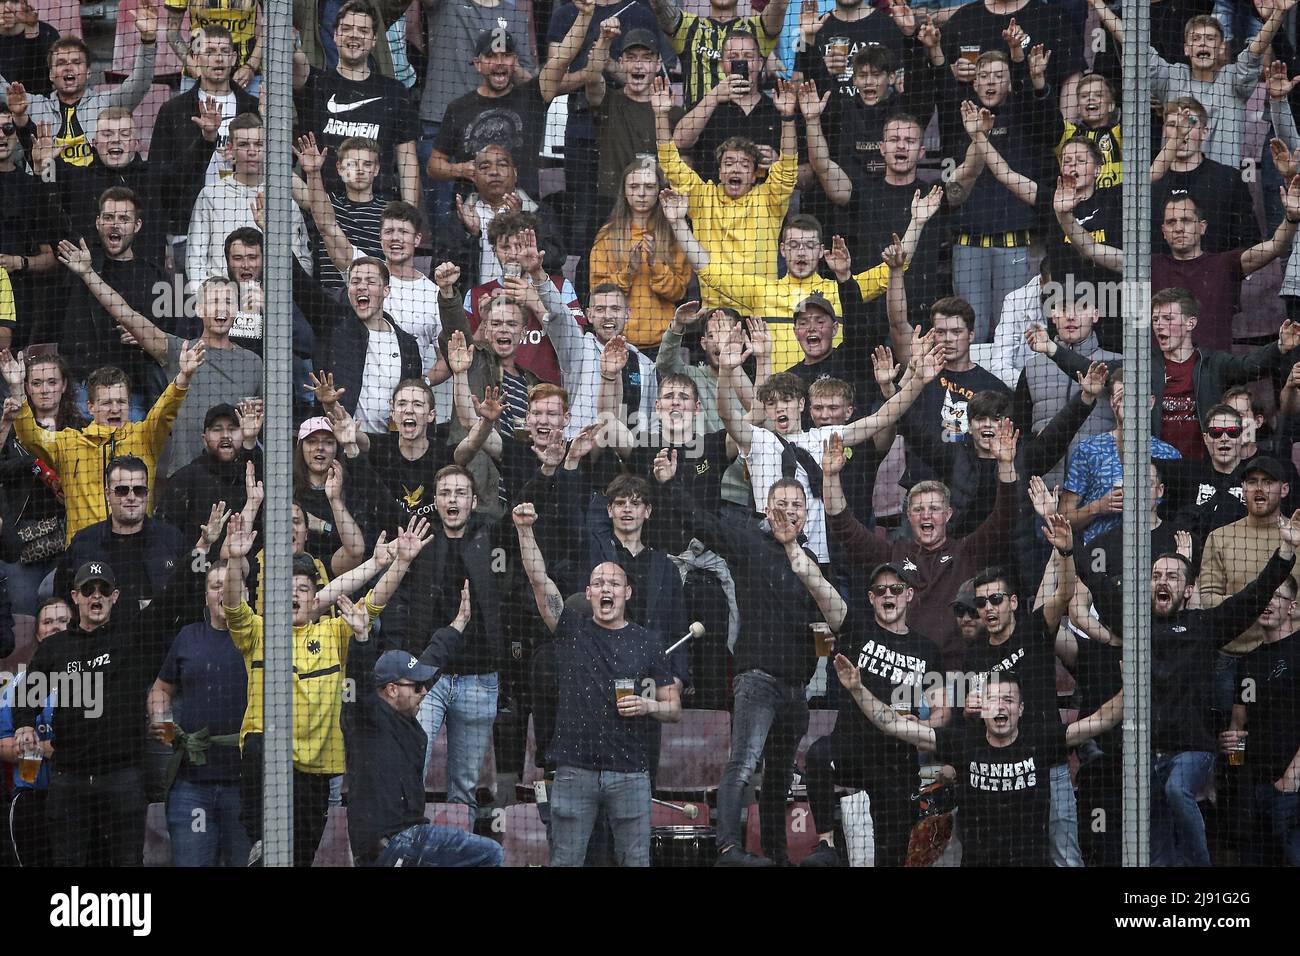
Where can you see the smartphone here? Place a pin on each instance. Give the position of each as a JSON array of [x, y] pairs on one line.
[[40, 351], [740, 68]]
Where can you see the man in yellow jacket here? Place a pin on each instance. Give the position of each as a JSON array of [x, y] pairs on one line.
[[320, 657], [80, 455], [737, 219], [776, 300]]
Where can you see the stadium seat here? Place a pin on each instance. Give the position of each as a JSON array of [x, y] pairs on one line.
[[449, 815], [693, 753], [125, 42], [524, 836], [334, 849], [820, 723], [146, 114], [24, 644], [157, 842], [63, 15], [799, 835]]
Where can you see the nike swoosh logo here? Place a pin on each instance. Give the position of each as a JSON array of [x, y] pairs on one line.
[[348, 107]]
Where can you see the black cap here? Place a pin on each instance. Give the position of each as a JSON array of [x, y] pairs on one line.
[[965, 594], [638, 38], [1269, 466], [94, 571], [217, 412], [817, 301], [880, 569], [496, 40]]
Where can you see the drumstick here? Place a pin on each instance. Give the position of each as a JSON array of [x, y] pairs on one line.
[[688, 810]]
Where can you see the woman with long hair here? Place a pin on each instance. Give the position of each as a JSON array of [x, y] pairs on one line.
[[636, 251], [333, 533]]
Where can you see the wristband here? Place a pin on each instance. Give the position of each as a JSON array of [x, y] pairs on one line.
[[609, 378], [23, 260], [1069, 553], [1294, 222], [788, 119]]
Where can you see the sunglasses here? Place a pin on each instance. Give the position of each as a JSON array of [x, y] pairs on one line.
[[8, 129], [964, 610], [994, 599], [1218, 431], [140, 491], [879, 590], [408, 683], [92, 588]]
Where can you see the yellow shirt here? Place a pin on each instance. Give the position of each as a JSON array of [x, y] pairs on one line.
[[775, 301], [320, 656], [741, 235], [8, 313], [80, 455], [237, 16], [1110, 143], [652, 291]]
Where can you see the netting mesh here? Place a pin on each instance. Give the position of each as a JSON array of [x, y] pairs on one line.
[[632, 433]]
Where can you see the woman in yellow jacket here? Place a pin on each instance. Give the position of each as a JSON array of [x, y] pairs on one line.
[[79, 455], [636, 251]]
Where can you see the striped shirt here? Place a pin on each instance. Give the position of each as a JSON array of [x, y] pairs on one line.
[[360, 222], [698, 41]]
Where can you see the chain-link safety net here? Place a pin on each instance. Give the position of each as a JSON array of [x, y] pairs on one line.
[[648, 433]]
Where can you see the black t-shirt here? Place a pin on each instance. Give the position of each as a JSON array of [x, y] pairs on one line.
[[876, 29], [1005, 792], [25, 60], [1046, 23], [98, 337], [589, 733], [1268, 683], [700, 466], [515, 121], [1103, 556], [887, 663], [1030, 654], [1102, 216], [27, 214], [378, 107], [407, 486], [1222, 196], [939, 412], [1098, 678]]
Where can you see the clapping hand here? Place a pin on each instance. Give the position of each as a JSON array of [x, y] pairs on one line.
[[833, 457], [1045, 501], [665, 465]]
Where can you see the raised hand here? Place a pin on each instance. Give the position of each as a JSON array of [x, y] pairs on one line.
[[1183, 543], [883, 366], [848, 673], [665, 465], [16, 97], [1045, 501], [551, 456], [257, 206], [584, 442], [76, 259], [782, 530], [417, 533], [1014, 37], [687, 314], [192, 356], [904, 18], [927, 362], [492, 405], [145, 16], [1093, 382], [838, 260], [445, 278], [674, 205], [975, 120], [1039, 57], [254, 490], [894, 255], [239, 540], [524, 515], [760, 337], [929, 34], [469, 217], [1038, 340], [810, 22], [211, 531], [344, 425], [1283, 158], [460, 354], [530, 257], [12, 407], [661, 96], [43, 148], [356, 615], [1288, 336], [249, 416], [1005, 441], [613, 359], [310, 158], [1066, 196], [833, 457], [385, 551], [334, 482], [812, 105], [925, 205], [786, 98], [1278, 85], [733, 348], [609, 32], [323, 388]]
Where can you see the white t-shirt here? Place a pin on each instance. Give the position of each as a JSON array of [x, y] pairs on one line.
[[218, 165], [413, 305], [764, 463], [383, 371]]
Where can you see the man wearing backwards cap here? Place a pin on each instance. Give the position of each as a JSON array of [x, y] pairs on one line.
[[896, 664], [105, 663], [386, 744]]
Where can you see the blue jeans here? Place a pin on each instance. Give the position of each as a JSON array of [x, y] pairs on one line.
[[984, 277], [203, 823], [1177, 827], [1238, 19], [438, 196], [579, 796], [24, 581], [768, 721], [427, 844], [1276, 817], [468, 705], [1063, 821]]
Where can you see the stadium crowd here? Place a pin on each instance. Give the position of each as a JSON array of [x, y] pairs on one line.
[[666, 381]]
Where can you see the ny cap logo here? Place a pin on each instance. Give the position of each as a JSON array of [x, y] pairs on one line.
[[96, 569]]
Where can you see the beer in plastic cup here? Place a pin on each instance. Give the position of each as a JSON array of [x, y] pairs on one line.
[[29, 765], [165, 720], [823, 639], [969, 53], [840, 46], [1237, 755], [624, 687]]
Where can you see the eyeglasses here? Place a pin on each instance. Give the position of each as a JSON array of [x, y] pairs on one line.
[[1218, 431], [879, 590], [964, 610], [92, 588], [140, 491], [994, 599]]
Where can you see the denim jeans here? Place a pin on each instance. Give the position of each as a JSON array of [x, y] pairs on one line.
[[468, 705], [203, 824], [1275, 835], [984, 277], [1063, 820], [427, 844], [438, 196], [1177, 827], [24, 581], [578, 796], [82, 807], [768, 721], [1238, 19]]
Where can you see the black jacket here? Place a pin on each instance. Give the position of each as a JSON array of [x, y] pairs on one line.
[[194, 489], [453, 242], [180, 155], [78, 188], [158, 545], [342, 338]]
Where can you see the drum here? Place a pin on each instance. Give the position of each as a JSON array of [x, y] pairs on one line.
[[683, 846]]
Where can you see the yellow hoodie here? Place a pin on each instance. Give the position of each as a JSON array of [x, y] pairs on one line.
[[80, 455]]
